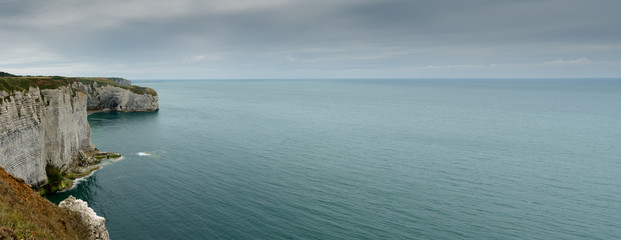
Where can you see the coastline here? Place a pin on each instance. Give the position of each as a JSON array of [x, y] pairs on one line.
[[89, 112], [37, 113]]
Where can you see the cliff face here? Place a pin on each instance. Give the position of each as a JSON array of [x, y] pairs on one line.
[[41, 127], [45, 141], [43, 122], [109, 97]]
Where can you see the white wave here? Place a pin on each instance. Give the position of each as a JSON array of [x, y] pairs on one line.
[[117, 159], [143, 154], [111, 160]]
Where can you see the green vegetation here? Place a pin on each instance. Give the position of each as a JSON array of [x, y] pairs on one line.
[[5, 74], [11, 84], [59, 181], [111, 82], [106, 155], [56, 180], [26, 215], [14, 83]]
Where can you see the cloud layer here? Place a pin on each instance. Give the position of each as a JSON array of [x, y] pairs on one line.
[[311, 39]]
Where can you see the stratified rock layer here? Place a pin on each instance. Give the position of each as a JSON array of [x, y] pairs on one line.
[[50, 127], [41, 127], [46, 130]]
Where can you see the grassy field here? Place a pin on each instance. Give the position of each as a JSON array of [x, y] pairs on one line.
[[26, 215]]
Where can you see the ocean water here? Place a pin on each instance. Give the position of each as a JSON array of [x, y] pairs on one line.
[[364, 159]]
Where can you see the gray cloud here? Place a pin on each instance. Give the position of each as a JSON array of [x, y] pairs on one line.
[[295, 38]]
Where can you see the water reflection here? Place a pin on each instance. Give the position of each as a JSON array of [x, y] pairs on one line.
[[112, 121], [105, 116]]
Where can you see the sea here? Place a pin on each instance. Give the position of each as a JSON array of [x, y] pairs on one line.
[[363, 159]]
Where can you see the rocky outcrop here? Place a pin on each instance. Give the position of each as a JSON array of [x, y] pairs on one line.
[[116, 98], [96, 224], [40, 128]]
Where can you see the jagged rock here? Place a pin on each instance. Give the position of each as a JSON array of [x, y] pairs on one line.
[[95, 223]]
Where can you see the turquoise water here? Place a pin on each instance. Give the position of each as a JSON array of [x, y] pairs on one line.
[[364, 159]]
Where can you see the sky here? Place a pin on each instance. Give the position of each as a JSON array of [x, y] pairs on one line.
[[246, 39]]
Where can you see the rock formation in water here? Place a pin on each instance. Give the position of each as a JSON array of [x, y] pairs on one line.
[[96, 224], [44, 130]]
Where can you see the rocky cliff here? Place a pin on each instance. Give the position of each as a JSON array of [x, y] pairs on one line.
[[115, 97], [42, 128], [44, 132], [44, 141]]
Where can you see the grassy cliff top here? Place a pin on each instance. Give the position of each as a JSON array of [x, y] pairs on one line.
[[15, 83], [26, 215]]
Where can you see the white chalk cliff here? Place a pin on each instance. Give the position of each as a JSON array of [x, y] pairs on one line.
[[41, 127], [109, 97]]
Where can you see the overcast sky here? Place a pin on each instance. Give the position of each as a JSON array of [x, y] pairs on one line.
[[209, 39]]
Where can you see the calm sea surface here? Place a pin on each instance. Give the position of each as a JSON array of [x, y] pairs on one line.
[[364, 159]]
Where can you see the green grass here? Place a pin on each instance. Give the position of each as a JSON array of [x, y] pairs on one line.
[[12, 84], [26, 215], [107, 81]]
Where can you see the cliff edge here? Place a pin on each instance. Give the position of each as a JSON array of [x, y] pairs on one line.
[[44, 132]]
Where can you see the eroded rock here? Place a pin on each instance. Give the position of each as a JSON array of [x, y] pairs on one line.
[[95, 223]]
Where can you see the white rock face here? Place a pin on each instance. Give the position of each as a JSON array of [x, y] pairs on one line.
[[50, 126], [96, 224], [109, 97], [40, 127]]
